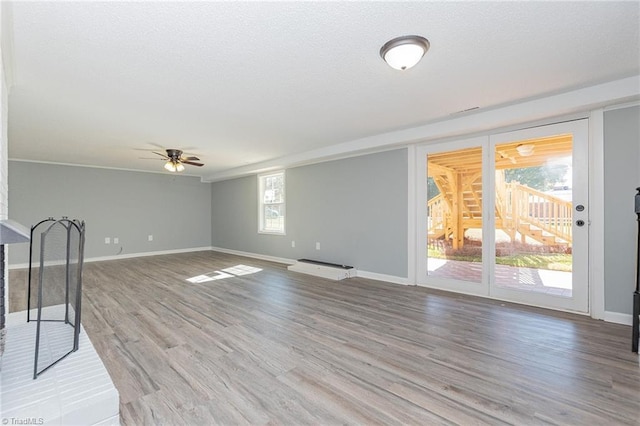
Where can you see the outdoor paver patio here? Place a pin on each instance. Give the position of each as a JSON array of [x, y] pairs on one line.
[[557, 283]]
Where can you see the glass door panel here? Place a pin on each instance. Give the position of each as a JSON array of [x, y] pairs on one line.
[[533, 205], [452, 249], [540, 198], [454, 214]]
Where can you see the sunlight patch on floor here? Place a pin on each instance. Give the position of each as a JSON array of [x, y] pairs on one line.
[[233, 271]]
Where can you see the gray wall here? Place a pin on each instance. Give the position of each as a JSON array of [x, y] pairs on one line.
[[621, 177], [356, 208], [175, 209]]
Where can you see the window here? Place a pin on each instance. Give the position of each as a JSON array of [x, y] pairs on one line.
[[271, 203]]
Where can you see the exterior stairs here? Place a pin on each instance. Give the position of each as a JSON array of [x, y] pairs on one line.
[[519, 210], [537, 234]]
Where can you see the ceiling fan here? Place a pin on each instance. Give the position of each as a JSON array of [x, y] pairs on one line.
[[175, 160]]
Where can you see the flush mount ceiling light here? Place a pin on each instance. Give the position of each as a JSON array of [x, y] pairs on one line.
[[404, 52], [525, 150]]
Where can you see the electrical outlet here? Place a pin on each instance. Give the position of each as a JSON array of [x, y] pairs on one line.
[[317, 246], [293, 243], [150, 237], [116, 240], [107, 240]]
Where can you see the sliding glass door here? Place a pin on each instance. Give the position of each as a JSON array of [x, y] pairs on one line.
[[506, 216]]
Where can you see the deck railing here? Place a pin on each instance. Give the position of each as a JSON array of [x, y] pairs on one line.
[[516, 205], [544, 211], [437, 212]]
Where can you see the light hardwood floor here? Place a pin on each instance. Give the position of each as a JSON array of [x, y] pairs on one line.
[[276, 347]]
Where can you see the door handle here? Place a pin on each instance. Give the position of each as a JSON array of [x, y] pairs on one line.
[[580, 222]]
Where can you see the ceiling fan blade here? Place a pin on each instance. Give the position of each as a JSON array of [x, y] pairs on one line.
[[190, 158], [161, 155], [192, 163], [154, 158], [157, 145]]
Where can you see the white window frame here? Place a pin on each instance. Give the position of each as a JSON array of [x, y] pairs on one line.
[[261, 204]]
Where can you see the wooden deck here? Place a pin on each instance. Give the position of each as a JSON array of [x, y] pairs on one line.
[[276, 347]]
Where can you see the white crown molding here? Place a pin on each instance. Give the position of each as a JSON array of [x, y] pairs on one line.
[[623, 105], [160, 172]]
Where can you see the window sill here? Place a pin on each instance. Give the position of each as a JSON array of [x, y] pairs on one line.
[[272, 233]]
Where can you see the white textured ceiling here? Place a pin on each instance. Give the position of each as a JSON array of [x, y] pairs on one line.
[[240, 83]]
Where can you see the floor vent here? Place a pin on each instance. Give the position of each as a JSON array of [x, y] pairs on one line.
[[332, 271]]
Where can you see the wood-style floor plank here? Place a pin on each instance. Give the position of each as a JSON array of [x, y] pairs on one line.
[[276, 347]]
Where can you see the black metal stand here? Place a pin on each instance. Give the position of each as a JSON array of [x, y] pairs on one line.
[[29, 278], [73, 245], [635, 332]]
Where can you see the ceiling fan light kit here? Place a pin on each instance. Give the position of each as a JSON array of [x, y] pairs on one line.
[[173, 167], [404, 52], [175, 160]]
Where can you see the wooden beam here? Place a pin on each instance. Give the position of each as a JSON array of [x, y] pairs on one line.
[[458, 229], [434, 169]]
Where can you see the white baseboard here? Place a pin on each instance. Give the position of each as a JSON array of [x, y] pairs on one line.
[[383, 277], [255, 255], [614, 317], [120, 256], [361, 274], [618, 318], [145, 254]]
